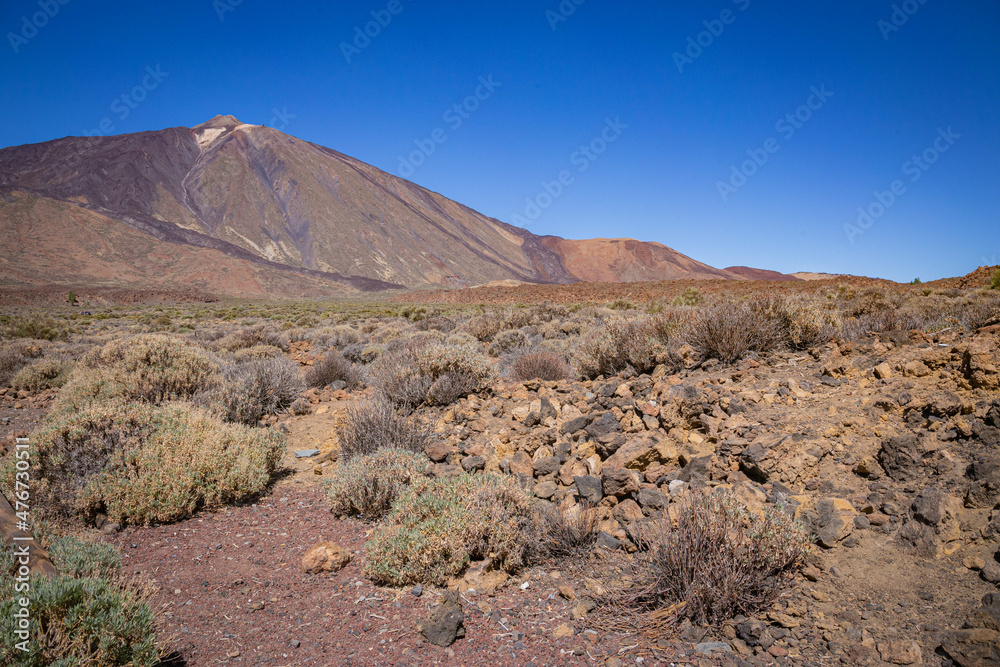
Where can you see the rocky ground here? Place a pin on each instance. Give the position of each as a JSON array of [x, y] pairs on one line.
[[885, 448]]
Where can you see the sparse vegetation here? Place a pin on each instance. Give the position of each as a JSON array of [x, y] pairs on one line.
[[718, 561], [87, 615], [539, 364], [367, 485], [375, 424], [139, 463], [565, 533], [437, 526], [42, 374], [250, 390], [332, 367], [995, 280]]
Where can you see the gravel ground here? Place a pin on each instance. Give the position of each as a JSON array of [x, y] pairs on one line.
[[230, 589]]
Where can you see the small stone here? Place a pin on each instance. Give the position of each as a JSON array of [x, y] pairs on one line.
[[295, 643], [235, 653], [567, 592], [708, 648], [563, 631], [326, 557], [901, 652], [417, 591], [990, 572], [974, 562], [883, 371]]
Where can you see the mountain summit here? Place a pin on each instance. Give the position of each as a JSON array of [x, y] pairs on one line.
[[273, 207]]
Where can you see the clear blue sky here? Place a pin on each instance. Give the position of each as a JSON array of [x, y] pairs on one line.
[[658, 180]]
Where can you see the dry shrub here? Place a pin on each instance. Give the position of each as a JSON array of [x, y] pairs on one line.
[[338, 337], [257, 352], [876, 322], [260, 334], [730, 330], [618, 344], [14, 356], [719, 561], [397, 375], [484, 327], [437, 526], [332, 367], [539, 364], [369, 484], [425, 372], [375, 424], [41, 374], [565, 532], [139, 463], [507, 341], [251, 390], [977, 313]]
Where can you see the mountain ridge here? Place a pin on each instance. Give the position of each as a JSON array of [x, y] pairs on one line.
[[285, 205]]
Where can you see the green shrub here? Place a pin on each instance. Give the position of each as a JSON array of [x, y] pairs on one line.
[[995, 280], [77, 558], [719, 561], [138, 463], [87, 615], [375, 424], [33, 326], [437, 526], [42, 374], [369, 484], [151, 368], [689, 297]]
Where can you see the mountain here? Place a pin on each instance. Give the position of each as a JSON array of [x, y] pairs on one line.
[[248, 210], [627, 261], [761, 274]]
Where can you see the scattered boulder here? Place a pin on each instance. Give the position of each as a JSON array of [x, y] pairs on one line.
[[831, 519], [901, 459], [445, 623]]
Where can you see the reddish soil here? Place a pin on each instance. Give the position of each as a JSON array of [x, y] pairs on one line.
[[212, 573]]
